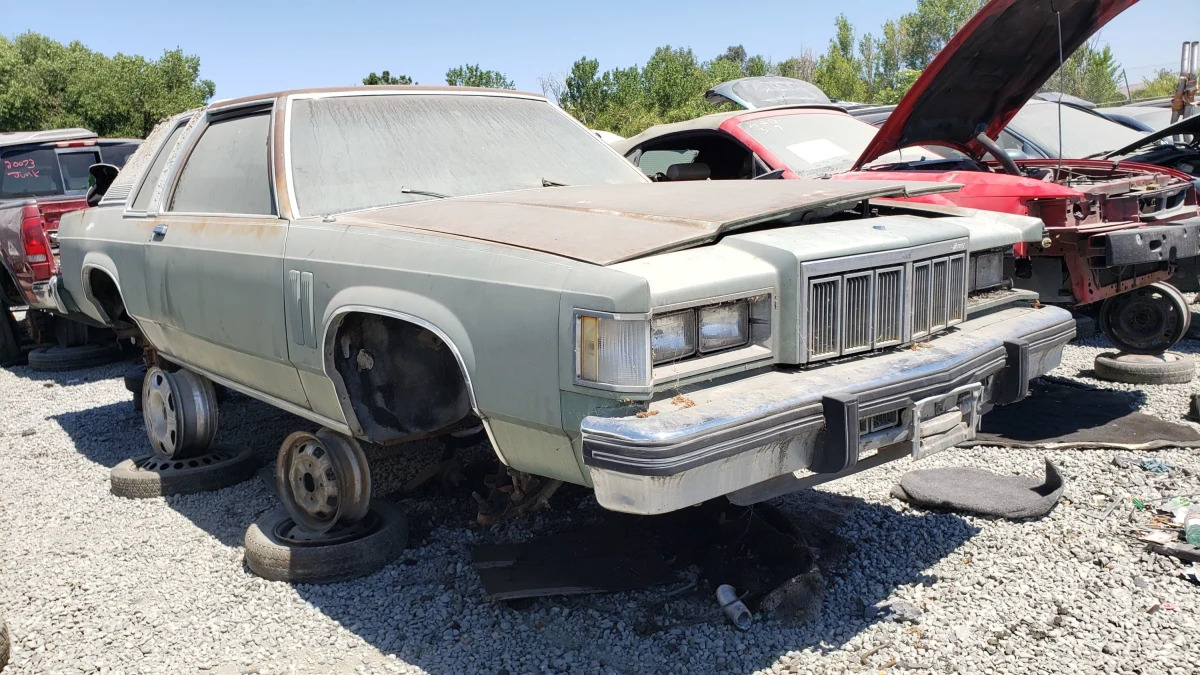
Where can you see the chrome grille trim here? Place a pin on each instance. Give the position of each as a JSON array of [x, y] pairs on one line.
[[862, 310], [858, 291], [889, 307], [824, 300]]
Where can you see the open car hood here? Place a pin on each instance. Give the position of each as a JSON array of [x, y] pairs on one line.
[[1188, 126], [606, 224], [983, 76], [766, 91]]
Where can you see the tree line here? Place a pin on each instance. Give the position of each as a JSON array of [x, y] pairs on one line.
[[45, 84]]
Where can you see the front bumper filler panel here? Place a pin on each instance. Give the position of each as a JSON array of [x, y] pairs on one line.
[[823, 420]]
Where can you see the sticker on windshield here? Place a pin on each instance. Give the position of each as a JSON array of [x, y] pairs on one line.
[[817, 151]]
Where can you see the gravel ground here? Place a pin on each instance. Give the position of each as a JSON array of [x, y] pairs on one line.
[[90, 582]]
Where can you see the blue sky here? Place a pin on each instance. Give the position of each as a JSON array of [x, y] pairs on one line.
[[253, 46]]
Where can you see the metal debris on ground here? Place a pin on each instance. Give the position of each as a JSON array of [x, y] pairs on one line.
[[770, 560], [511, 494], [1156, 466]]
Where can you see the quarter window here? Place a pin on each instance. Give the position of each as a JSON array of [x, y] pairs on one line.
[[227, 171], [146, 191]]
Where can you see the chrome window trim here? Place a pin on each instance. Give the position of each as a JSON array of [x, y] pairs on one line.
[[142, 180]]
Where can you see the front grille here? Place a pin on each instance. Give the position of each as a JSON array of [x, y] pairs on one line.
[[870, 309]]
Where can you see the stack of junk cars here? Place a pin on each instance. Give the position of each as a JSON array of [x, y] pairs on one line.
[[351, 256]]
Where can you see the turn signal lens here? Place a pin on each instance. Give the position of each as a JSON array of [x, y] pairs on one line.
[[614, 352]]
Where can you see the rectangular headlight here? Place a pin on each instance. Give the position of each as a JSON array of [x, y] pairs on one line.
[[673, 336], [614, 352], [724, 326]]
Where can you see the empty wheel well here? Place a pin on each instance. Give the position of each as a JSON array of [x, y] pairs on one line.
[[106, 296], [401, 381]]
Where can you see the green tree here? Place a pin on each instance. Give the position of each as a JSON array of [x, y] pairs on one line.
[[1090, 73], [839, 70], [386, 78], [45, 84], [471, 75], [931, 25], [1162, 85]]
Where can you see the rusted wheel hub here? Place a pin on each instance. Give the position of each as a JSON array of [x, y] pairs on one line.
[[323, 480]]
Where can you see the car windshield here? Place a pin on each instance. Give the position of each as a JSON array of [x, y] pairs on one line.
[[1083, 133], [814, 143], [357, 152]]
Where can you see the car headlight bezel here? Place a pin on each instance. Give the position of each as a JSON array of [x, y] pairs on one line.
[[753, 314]]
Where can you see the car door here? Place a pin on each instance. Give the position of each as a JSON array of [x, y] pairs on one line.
[[214, 258]]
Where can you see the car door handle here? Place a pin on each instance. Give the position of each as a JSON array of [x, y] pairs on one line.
[[159, 232]]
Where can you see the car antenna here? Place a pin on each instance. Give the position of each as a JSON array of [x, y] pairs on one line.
[[1062, 87]]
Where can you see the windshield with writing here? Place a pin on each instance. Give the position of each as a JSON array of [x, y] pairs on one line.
[[814, 144], [358, 152]]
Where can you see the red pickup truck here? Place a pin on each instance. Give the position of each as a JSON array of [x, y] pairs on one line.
[[43, 175]]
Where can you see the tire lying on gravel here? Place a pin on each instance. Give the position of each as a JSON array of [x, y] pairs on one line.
[[1165, 368], [57, 359], [158, 476], [270, 556], [5, 645]]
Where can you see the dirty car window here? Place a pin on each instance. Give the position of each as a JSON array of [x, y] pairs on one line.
[[357, 152], [814, 144], [1083, 134], [227, 171]]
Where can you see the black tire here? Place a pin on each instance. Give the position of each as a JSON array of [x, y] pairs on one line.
[[58, 359], [133, 382], [10, 339], [157, 476], [315, 563], [1167, 368], [5, 645]]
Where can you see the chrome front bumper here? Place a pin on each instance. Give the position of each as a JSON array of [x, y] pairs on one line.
[[774, 426]]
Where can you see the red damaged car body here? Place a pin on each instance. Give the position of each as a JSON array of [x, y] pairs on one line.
[[1111, 227]]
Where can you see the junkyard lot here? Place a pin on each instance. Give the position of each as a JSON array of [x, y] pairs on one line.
[[91, 582]]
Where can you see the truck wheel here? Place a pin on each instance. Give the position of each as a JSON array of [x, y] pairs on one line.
[[157, 476], [59, 359], [10, 339], [279, 550], [180, 412], [1147, 320], [1166, 368], [323, 480]]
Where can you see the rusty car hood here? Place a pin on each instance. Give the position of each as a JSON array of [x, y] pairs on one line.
[[983, 76], [607, 224]]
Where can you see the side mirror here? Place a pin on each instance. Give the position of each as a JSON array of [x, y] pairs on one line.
[[103, 176]]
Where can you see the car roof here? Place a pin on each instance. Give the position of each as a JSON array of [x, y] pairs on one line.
[[709, 123], [11, 138], [372, 89]]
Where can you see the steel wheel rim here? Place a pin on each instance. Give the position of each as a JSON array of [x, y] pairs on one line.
[[160, 410], [323, 482], [1146, 320]]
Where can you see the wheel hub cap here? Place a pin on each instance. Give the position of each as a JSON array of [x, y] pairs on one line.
[[161, 414]]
